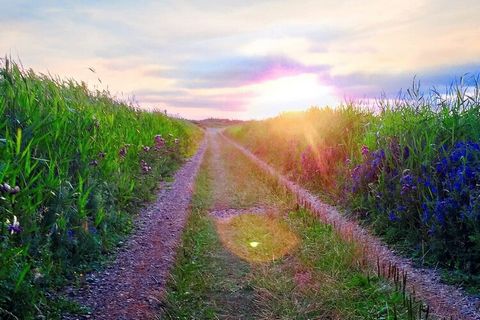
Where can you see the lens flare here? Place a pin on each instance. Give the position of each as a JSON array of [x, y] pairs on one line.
[[257, 238], [254, 244]]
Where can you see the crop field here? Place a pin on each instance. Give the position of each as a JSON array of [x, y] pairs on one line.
[[75, 167]]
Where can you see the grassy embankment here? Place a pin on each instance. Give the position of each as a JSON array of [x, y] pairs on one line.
[[319, 278], [75, 165], [410, 171]]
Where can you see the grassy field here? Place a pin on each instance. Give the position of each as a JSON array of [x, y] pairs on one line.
[[410, 169], [75, 165], [314, 275]]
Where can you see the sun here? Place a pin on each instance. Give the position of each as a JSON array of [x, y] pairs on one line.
[[289, 93]]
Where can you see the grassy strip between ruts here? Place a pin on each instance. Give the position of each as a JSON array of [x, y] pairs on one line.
[[320, 280]]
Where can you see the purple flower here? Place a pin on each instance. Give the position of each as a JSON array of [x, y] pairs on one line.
[[70, 234], [92, 229], [406, 153], [392, 217], [145, 167], [14, 227], [6, 188], [365, 150], [159, 141], [425, 214], [123, 152]]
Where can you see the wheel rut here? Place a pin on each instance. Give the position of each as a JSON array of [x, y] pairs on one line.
[[133, 285]]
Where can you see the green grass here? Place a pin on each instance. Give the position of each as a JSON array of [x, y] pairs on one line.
[[76, 156], [255, 237], [409, 170], [207, 280], [320, 279]]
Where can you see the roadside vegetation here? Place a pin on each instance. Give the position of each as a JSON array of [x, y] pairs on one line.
[[222, 272], [408, 168], [75, 166]]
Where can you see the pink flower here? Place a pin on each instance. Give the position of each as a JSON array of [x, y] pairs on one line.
[[145, 167], [365, 150], [159, 141]]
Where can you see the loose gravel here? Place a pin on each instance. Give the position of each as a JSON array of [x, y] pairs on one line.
[[133, 286]]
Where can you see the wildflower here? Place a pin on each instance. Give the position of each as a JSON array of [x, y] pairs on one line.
[[378, 157], [440, 212], [406, 153], [392, 217], [365, 150], [394, 148], [94, 163], [428, 184], [145, 167], [37, 275], [146, 148], [408, 185], [92, 229], [123, 152], [70, 234], [425, 214], [14, 227], [15, 190], [5, 188], [159, 141]]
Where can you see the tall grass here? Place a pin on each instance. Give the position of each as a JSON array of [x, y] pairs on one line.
[[410, 168], [74, 167]]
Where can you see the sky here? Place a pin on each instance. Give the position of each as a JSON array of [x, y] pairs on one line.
[[245, 59]]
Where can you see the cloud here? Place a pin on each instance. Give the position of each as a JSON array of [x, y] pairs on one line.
[[370, 85], [235, 71], [209, 55], [234, 102]]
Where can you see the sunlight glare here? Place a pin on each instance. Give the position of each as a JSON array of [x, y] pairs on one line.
[[290, 94]]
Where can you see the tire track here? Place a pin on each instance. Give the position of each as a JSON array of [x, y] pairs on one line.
[[446, 301], [133, 286]]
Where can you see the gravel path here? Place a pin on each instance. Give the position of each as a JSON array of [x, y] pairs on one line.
[[133, 286], [445, 300]]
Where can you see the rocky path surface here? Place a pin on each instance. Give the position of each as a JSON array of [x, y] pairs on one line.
[[445, 301], [132, 287]]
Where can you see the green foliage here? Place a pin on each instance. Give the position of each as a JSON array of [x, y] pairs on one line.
[[409, 168], [309, 146], [71, 173]]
